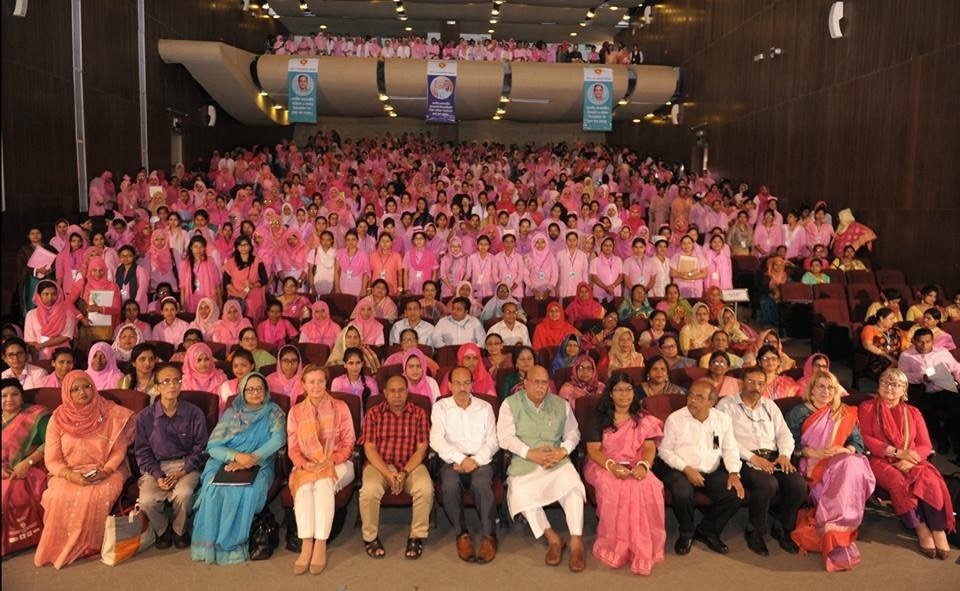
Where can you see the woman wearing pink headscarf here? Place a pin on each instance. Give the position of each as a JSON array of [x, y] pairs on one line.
[[541, 268], [208, 314], [86, 433], [719, 264], [227, 329], [199, 370], [286, 379], [453, 267], [102, 366], [69, 262], [291, 258], [320, 328], [199, 276], [415, 370], [162, 262], [371, 331], [94, 292]]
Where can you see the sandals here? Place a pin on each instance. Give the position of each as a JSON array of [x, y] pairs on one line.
[[374, 549], [414, 548]]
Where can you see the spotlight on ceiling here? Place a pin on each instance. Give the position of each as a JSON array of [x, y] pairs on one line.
[[304, 6], [491, 31], [574, 34], [383, 98], [637, 120], [408, 28], [591, 13], [495, 11]]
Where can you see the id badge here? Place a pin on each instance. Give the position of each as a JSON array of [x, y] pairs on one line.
[[715, 276], [419, 275], [573, 274], [349, 274], [383, 274], [542, 276], [508, 279], [125, 292]]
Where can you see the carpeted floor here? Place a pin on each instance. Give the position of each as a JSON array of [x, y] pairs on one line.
[[890, 561]]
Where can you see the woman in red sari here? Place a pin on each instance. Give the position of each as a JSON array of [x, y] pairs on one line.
[[24, 478], [897, 438], [831, 449]]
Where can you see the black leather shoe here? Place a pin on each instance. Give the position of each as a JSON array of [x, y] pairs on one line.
[[712, 541], [683, 545], [181, 542], [164, 540], [784, 540], [755, 542]]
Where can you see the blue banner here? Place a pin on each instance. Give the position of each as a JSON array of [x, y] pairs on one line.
[[441, 91], [302, 85], [598, 99]]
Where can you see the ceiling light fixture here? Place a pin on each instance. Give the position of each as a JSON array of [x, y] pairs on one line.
[[495, 12], [263, 93], [613, 7], [400, 8], [323, 27], [265, 6], [504, 99], [637, 120], [498, 2], [490, 31], [403, 17], [254, 6], [304, 7], [501, 111], [583, 24], [591, 13], [493, 21], [622, 102], [387, 107], [408, 28], [383, 98], [496, 117], [277, 106], [573, 34], [649, 116], [393, 113]]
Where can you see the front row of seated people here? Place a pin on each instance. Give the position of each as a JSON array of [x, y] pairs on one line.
[[743, 444]]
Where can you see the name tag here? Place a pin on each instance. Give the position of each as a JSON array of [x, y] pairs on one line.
[[419, 275], [125, 292], [715, 275], [383, 274], [542, 275], [573, 274], [350, 274], [508, 277]]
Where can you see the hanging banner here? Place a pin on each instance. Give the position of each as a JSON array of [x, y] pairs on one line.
[[441, 91], [598, 99], [302, 96]]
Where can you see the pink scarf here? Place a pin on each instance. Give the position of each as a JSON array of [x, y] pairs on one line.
[[193, 379], [109, 376], [317, 330]]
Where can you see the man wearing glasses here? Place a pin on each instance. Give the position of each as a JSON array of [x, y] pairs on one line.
[[766, 446], [539, 429], [171, 437], [463, 432]]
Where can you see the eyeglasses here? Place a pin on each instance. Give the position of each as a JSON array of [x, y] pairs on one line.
[[891, 384], [81, 388], [254, 390], [770, 358], [167, 382], [825, 387], [290, 361]]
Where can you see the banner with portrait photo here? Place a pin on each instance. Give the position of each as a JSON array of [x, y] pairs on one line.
[[441, 91], [598, 99], [302, 93]]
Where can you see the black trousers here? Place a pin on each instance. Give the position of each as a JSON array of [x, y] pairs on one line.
[[452, 485], [716, 516], [763, 487]]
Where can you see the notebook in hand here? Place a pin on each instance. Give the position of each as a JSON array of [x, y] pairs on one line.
[[237, 478]]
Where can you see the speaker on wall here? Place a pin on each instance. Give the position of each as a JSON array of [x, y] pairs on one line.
[[20, 8]]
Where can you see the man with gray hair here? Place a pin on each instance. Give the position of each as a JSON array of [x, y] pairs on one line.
[[699, 453]]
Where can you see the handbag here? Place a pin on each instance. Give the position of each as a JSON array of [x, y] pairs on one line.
[[21, 525], [264, 535], [124, 535]]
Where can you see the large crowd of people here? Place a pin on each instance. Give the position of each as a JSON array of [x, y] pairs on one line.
[[536, 279], [478, 50]]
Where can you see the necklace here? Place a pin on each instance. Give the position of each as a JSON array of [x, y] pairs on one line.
[[7, 418]]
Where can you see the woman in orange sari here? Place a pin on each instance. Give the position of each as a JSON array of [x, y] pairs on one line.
[[86, 455], [320, 439], [24, 479], [831, 449]]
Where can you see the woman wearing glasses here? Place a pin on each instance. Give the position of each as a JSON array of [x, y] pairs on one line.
[[85, 453], [830, 447], [899, 445], [622, 444], [248, 435], [778, 385]]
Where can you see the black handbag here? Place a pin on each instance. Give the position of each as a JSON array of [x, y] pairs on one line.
[[264, 535]]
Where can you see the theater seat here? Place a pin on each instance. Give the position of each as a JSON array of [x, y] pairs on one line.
[[208, 402]]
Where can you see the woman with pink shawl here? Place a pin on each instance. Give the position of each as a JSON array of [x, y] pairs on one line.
[[208, 314], [415, 370], [94, 286], [51, 323], [320, 328], [292, 257], [199, 276], [162, 262], [371, 331], [199, 370], [227, 329], [453, 267], [719, 264], [69, 262], [850, 232], [419, 264], [102, 366], [469, 356], [383, 306], [245, 276], [286, 379], [86, 433]]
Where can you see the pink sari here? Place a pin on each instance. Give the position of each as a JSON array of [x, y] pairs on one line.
[[839, 489], [631, 511]]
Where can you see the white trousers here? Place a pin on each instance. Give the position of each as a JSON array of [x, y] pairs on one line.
[[572, 504], [314, 504]]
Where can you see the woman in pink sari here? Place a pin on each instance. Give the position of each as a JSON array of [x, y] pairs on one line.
[[320, 328], [719, 265], [244, 276], [453, 267], [200, 372], [24, 478], [52, 322], [85, 454], [469, 356], [831, 449], [352, 268], [622, 445], [227, 329], [199, 276], [850, 232], [379, 297]]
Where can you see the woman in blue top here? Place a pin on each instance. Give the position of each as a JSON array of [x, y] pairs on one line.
[[250, 433]]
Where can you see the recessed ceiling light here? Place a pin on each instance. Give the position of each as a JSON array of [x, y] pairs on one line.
[[669, 103], [383, 98], [573, 34], [275, 15], [493, 21], [408, 28], [501, 111], [637, 120], [253, 6], [591, 13], [403, 17], [277, 106], [491, 31], [264, 93], [451, 22], [496, 117], [400, 8], [583, 24], [387, 107], [393, 113], [265, 6], [504, 99], [614, 7], [622, 102], [323, 27], [649, 116], [495, 11]]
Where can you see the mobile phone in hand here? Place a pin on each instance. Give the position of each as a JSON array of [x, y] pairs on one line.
[[90, 474]]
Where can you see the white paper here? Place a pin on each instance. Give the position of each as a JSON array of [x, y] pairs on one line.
[[942, 379], [100, 298]]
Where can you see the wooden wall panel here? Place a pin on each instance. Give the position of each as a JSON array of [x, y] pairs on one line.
[[868, 121]]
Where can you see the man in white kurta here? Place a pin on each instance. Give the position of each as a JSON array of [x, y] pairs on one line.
[[540, 432]]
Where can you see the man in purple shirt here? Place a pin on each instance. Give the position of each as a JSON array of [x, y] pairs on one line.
[[171, 437]]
